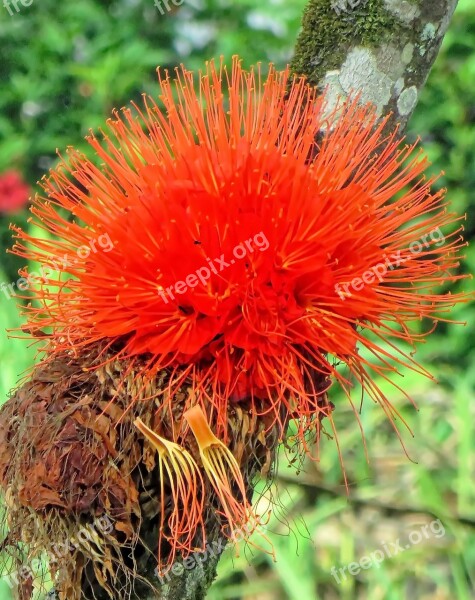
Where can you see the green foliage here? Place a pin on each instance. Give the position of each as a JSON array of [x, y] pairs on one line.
[[445, 121], [64, 66]]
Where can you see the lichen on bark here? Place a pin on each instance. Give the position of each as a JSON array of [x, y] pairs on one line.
[[380, 49]]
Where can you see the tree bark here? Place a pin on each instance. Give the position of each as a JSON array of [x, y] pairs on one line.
[[381, 49]]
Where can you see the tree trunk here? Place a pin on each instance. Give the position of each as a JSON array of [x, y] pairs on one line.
[[381, 49]]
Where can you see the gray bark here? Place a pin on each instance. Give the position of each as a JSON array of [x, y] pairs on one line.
[[382, 49]]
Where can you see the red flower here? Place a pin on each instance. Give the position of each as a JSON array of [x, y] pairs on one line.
[[14, 192], [246, 256]]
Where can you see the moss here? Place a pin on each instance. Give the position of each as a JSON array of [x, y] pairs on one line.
[[324, 29]]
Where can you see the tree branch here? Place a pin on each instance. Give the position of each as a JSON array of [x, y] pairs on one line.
[[382, 49]]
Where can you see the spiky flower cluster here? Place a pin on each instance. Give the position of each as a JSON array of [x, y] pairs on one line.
[[248, 224]]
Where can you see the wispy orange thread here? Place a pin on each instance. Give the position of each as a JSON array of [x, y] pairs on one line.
[[179, 471], [222, 470]]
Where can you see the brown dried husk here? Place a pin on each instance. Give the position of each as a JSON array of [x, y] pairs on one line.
[[70, 454]]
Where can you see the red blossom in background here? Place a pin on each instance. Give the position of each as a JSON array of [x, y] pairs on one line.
[[14, 192]]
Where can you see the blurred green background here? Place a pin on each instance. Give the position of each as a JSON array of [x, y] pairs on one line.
[[63, 67]]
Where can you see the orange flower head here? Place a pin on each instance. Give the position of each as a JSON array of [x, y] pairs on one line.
[[246, 237]]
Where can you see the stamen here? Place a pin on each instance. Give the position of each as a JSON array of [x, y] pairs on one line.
[[222, 469], [178, 469]]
